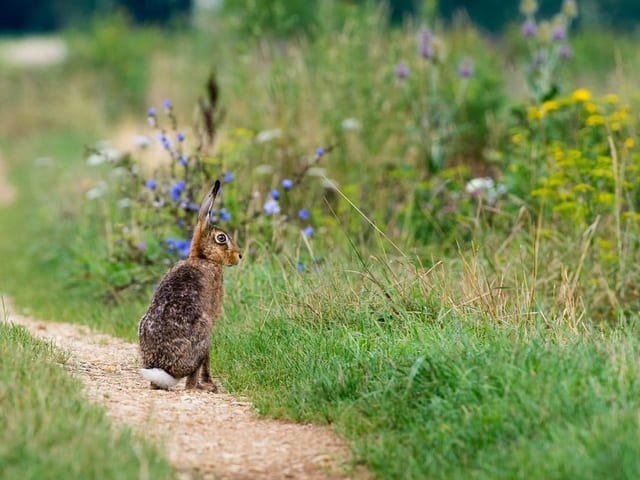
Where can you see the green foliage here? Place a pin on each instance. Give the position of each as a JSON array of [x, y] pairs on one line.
[[272, 17], [48, 430]]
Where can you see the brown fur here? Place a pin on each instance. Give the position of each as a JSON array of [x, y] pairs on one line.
[[175, 332]]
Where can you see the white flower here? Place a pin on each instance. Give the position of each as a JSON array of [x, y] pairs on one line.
[[271, 207], [268, 135], [350, 124], [95, 159], [96, 191], [142, 141], [124, 203], [485, 187]]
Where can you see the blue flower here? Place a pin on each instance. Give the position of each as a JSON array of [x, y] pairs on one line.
[[166, 143], [225, 216], [151, 184], [320, 151], [304, 214], [275, 194], [183, 160], [177, 189], [307, 232], [152, 112], [191, 206], [180, 136], [167, 104], [227, 177], [287, 184], [271, 207], [300, 267], [181, 247]]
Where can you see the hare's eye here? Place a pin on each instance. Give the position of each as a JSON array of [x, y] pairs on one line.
[[221, 238]]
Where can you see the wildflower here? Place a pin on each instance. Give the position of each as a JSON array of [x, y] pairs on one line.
[[304, 214], [151, 184], [275, 194], [581, 95], [96, 191], [271, 207], [402, 71], [166, 143], [180, 136], [307, 232], [425, 44], [465, 70], [177, 189], [183, 160], [227, 177], [534, 113], [570, 9], [268, 135], [320, 151], [595, 120], [179, 246], [167, 105], [142, 141], [629, 142], [225, 216], [528, 7], [190, 206], [151, 112], [559, 33], [300, 267], [529, 28], [287, 183], [142, 246], [566, 51], [550, 105], [350, 124], [611, 98]]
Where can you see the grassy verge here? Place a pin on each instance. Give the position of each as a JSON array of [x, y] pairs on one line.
[[48, 429]]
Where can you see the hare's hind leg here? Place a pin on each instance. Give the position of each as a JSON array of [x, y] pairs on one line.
[[207, 382]]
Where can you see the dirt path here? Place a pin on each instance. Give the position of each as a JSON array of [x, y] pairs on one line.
[[205, 435]]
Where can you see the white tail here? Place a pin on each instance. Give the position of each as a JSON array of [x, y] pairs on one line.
[[159, 377]]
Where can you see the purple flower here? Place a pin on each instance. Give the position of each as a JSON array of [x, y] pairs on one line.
[[300, 267], [179, 246], [227, 177], [142, 246], [152, 112], [177, 189], [566, 51], [307, 232], [425, 43], [402, 71], [304, 214], [183, 160], [167, 104], [465, 70], [271, 207], [151, 184], [180, 136], [287, 184], [275, 194], [560, 33], [320, 151], [529, 29], [225, 216]]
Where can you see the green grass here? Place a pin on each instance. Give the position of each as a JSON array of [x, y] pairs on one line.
[[49, 430]]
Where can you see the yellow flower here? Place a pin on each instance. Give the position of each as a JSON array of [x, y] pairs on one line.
[[591, 107], [606, 198], [593, 120], [629, 142], [619, 115], [534, 113], [550, 105], [611, 98], [517, 138], [581, 95]]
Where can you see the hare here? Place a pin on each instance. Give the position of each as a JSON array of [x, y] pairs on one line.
[[175, 332]]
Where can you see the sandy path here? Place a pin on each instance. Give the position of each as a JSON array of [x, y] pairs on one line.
[[205, 435]]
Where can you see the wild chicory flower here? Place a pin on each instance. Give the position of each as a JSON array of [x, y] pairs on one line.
[[167, 105], [304, 214], [177, 189], [179, 246], [152, 112], [151, 184], [275, 194], [307, 232], [287, 184], [183, 160], [271, 207], [227, 177], [320, 151], [300, 267], [225, 216], [180, 136]]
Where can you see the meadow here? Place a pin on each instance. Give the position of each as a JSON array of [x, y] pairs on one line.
[[440, 231]]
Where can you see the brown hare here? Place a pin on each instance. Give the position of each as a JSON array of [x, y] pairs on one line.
[[175, 332]]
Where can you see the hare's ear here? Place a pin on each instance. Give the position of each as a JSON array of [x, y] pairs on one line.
[[204, 215]]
